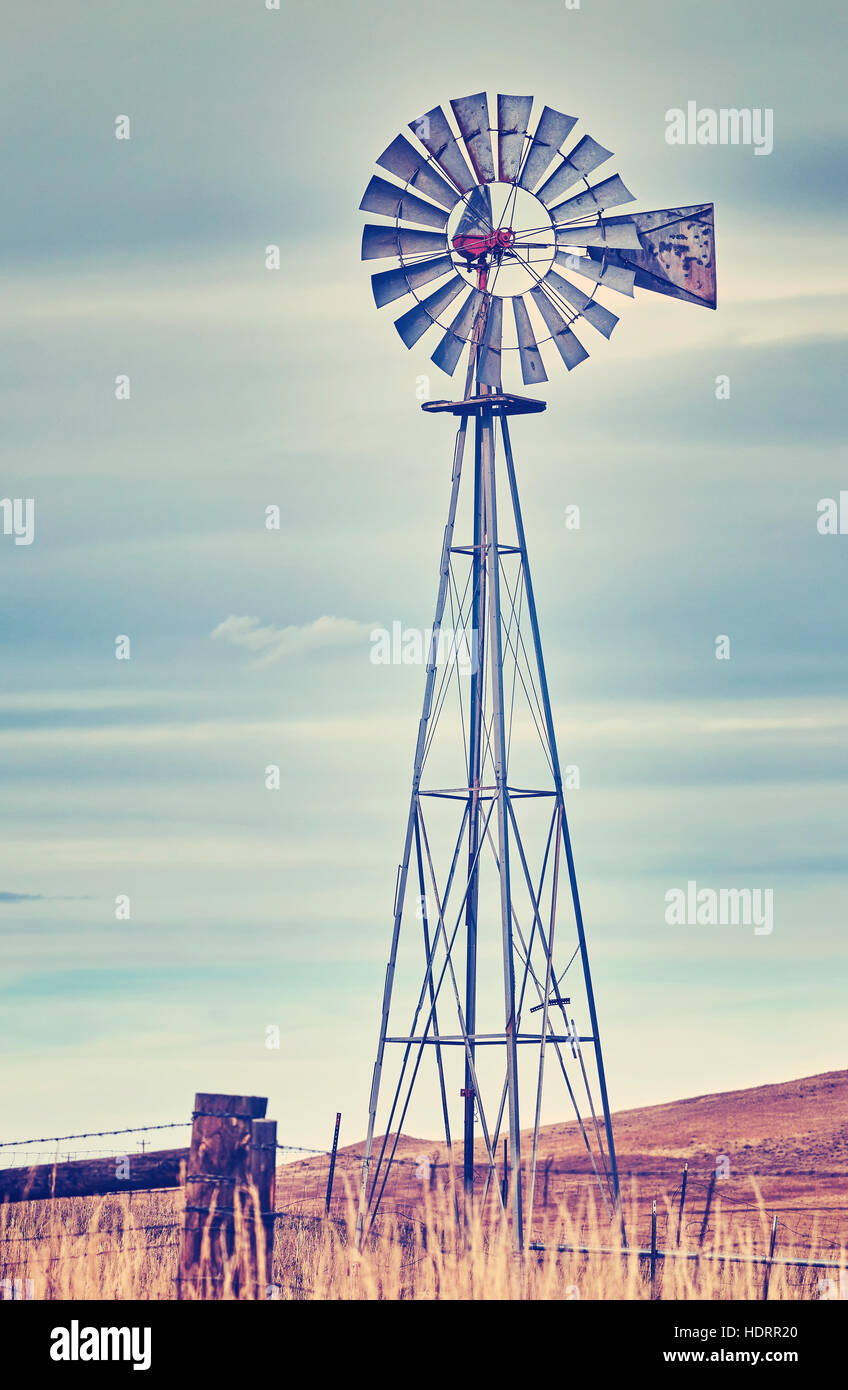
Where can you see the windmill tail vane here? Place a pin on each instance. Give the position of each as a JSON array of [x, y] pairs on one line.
[[474, 215]]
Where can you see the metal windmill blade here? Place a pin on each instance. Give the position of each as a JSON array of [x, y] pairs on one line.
[[589, 309], [513, 115], [378, 243], [472, 117], [609, 194], [415, 322], [403, 160], [532, 367], [489, 370], [552, 130], [612, 277], [389, 285], [437, 137], [567, 344], [586, 156], [386, 198], [448, 352], [476, 218]]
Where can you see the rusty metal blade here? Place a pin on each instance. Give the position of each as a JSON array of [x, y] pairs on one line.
[[532, 368], [552, 129], [392, 284], [380, 242], [568, 345], [588, 308], [386, 198], [417, 320], [403, 160], [613, 277], [472, 117], [513, 115], [607, 231], [437, 137], [477, 215], [489, 368], [586, 156], [609, 194], [676, 253], [448, 352]]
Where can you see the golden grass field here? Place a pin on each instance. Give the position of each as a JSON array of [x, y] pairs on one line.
[[126, 1247]]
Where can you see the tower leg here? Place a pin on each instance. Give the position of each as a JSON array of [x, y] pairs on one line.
[[499, 755], [400, 892], [572, 875], [475, 744]]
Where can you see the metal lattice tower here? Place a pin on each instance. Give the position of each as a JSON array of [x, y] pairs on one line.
[[487, 851]]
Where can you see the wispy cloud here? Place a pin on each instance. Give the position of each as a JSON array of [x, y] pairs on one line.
[[36, 898], [276, 643]]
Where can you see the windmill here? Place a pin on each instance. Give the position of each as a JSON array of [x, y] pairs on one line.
[[499, 988]]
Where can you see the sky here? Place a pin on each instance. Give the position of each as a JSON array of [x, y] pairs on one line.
[[145, 778]]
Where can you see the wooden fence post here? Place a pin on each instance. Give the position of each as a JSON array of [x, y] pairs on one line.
[[767, 1275], [263, 1175], [218, 1169], [654, 1248]]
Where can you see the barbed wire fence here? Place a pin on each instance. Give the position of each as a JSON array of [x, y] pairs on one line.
[[695, 1213]]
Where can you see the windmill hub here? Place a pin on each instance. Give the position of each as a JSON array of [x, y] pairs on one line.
[[507, 234]]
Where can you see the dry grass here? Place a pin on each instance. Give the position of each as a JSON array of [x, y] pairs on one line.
[[127, 1248]]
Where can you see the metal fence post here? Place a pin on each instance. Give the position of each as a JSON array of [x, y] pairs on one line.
[[682, 1200], [767, 1275], [333, 1153], [654, 1248], [707, 1206]]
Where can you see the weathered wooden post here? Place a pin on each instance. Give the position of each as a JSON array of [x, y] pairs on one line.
[[654, 1248], [218, 1174], [767, 1275], [263, 1176]]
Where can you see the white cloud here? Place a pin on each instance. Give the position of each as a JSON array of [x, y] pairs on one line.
[[274, 643]]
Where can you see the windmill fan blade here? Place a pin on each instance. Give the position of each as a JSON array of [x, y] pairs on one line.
[[532, 368], [589, 309], [386, 198], [448, 352], [380, 242], [609, 194], [402, 159], [472, 117], [392, 284], [552, 129], [436, 136], [568, 345], [417, 320], [513, 115], [489, 368], [676, 253], [613, 277], [586, 156], [610, 231], [476, 219]]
